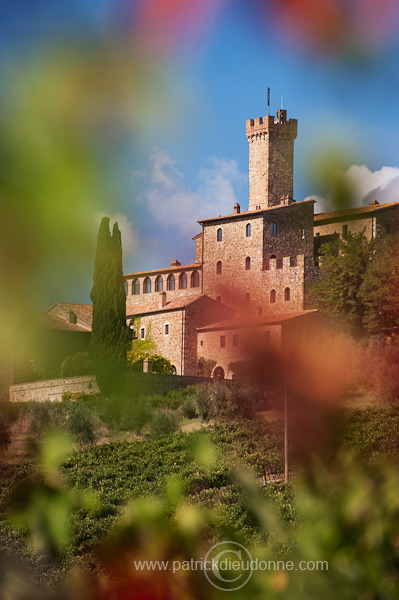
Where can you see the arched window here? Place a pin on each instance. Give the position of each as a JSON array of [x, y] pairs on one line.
[[171, 282], [247, 299], [147, 285], [195, 280], [126, 288], [218, 373], [273, 296], [287, 294], [136, 287], [183, 281], [159, 284], [248, 232], [219, 235], [218, 267], [273, 228], [248, 263]]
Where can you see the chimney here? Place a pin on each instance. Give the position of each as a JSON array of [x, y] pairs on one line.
[[237, 208], [72, 317], [162, 299]]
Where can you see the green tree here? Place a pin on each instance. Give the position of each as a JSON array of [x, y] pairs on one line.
[[343, 267], [379, 291], [109, 338]]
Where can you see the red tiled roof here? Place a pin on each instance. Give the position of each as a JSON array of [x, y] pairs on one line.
[[254, 212], [176, 304], [83, 311], [165, 270], [361, 210], [271, 319], [52, 322]]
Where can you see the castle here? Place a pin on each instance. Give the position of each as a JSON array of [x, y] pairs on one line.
[[255, 265]]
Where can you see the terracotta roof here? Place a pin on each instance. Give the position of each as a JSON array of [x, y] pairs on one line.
[[197, 236], [52, 322], [176, 304], [254, 212], [83, 311], [271, 319], [165, 270], [361, 210]]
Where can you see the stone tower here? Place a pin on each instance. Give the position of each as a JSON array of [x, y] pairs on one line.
[[271, 159]]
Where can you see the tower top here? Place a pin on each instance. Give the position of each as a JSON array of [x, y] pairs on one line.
[[271, 159]]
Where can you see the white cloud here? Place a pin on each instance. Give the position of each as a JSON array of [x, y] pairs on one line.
[[381, 185], [172, 202]]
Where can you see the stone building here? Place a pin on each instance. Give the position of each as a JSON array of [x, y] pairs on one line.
[[257, 265]]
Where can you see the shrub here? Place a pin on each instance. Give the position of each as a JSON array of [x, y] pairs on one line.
[[77, 364], [189, 409], [224, 400], [80, 422], [164, 422]]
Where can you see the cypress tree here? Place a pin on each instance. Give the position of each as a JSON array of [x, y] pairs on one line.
[[109, 338]]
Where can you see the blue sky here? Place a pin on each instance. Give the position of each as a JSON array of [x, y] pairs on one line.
[[189, 156]]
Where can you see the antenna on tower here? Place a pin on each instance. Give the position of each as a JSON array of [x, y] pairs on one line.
[[281, 102], [268, 101]]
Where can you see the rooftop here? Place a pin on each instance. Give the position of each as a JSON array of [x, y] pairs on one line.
[[249, 213], [271, 319], [349, 212]]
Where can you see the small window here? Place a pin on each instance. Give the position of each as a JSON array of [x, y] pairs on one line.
[[166, 328], [136, 287], [273, 228], [387, 229], [126, 288], [287, 294], [222, 341], [218, 298], [195, 279], [147, 285], [171, 282], [273, 296], [219, 235], [235, 339], [159, 284], [293, 261], [344, 231], [248, 232], [218, 267], [201, 342], [247, 299], [248, 263], [183, 281], [142, 333]]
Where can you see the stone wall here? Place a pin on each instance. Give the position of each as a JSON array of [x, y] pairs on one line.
[[210, 347], [52, 389]]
